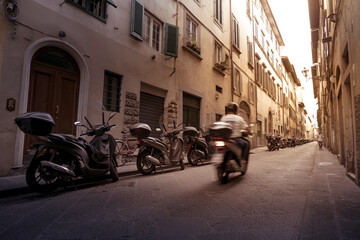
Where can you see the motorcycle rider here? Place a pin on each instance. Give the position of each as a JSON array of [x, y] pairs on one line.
[[238, 127], [320, 140]]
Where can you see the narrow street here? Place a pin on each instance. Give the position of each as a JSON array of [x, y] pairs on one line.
[[294, 193]]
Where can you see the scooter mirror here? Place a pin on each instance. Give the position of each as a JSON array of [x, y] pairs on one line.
[[79, 124]]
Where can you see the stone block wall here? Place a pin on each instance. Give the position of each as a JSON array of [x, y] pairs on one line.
[[131, 111]]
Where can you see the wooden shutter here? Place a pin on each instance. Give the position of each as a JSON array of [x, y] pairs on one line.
[[171, 40], [137, 16]]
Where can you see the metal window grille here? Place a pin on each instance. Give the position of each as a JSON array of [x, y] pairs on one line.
[[112, 91]]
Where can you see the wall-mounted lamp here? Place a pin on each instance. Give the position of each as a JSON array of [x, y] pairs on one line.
[[62, 34], [305, 72]]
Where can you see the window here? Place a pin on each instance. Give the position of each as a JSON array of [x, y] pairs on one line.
[[256, 29], [191, 30], [250, 52], [237, 82], [93, 7], [218, 52], [219, 89], [236, 40], [248, 8], [218, 11], [112, 91], [251, 92], [152, 31]]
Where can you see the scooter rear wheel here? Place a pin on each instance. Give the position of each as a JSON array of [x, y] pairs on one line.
[[145, 167], [40, 179]]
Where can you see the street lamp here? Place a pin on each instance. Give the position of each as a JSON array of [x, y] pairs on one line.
[[305, 72]]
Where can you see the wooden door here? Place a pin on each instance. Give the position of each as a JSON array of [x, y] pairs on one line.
[[54, 88]]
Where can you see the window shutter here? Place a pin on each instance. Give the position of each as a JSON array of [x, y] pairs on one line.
[[137, 16], [241, 83], [171, 40]]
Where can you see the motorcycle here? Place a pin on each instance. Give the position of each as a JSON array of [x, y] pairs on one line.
[[227, 157], [156, 152], [272, 143], [196, 148], [59, 158], [320, 144]]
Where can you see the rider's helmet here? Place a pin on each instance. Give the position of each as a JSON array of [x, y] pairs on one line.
[[232, 107]]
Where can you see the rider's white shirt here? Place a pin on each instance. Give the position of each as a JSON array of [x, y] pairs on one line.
[[237, 123], [320, 138]]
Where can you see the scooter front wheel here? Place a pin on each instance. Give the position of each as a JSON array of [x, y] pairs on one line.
[[113, 172], [41, 179], [182, 165], [222, 175], [144, 166]]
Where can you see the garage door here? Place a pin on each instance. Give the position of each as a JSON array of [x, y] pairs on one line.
[[151, 108]]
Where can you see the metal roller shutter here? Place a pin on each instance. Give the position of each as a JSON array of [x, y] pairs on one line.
[[151, 108]]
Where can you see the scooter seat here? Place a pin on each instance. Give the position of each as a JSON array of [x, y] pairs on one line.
[[67, 137]]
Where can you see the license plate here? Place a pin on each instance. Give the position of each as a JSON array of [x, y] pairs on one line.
[[217, 158]]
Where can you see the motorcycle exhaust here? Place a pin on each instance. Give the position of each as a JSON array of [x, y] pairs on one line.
[[152, 160], [62, 169]]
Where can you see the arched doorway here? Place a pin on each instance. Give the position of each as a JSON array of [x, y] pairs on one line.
[[244, 111], [54, 88]]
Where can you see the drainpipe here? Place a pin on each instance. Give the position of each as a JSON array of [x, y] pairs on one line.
[[255, 76], [231, 57]]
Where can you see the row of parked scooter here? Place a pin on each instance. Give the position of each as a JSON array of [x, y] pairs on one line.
[[57, 159], [277, 142]]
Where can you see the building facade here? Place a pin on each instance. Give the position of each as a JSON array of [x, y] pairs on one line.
[[145, 60], [335, 54]]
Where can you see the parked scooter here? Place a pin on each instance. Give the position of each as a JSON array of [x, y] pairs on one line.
[[156, 152], [272, 143], [196, 148], [227, 157], [59, 158]]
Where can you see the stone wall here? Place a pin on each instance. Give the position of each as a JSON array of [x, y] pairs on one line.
[[131, 111], [172, 114]]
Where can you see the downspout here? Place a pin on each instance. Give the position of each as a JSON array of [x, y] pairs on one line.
[[255, 76], [231, 55]]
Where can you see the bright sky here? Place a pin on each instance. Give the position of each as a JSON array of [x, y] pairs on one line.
[[292, 18]]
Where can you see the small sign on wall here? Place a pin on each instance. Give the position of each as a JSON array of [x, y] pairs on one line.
[[10, 104]]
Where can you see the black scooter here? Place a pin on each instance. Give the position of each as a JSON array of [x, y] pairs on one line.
[[196, 148], [59, 158], [156, 152]]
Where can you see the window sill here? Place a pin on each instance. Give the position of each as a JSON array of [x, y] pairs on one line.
[[189, 50], [237, 50], [219, 71]]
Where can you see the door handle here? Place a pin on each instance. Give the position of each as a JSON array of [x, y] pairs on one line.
[[56, 111]]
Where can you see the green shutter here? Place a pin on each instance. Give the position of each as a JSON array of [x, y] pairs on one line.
[[137, 16], [171, 40]]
